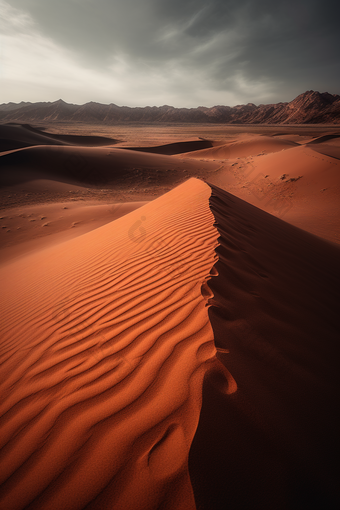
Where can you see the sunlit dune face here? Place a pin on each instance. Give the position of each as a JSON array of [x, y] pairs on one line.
[[106, 339], [174, 352]]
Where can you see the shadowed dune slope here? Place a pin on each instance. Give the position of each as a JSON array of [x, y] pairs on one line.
[[324, 138], [16, 136], [171, 149], [328, 150], [95, 166], [299, 185], [274, 443], [105, 342]]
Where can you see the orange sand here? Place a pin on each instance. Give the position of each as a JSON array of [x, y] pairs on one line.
[[29, 228], [103, 391], [177, 352]]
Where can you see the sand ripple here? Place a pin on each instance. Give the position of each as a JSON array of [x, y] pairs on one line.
[[105, 342]]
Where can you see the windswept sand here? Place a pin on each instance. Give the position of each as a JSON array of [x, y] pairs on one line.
[[298, 182], [177, 352], [247, 146], [103, 391], [29, 228], [292, 173], [106, 340]]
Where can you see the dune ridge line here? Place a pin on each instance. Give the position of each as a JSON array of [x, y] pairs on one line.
[[105, 342], [272, 443]]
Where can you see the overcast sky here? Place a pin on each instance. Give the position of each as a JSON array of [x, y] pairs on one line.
[[184, 53]]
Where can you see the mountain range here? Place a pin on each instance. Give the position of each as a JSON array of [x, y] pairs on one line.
[[311, 107]]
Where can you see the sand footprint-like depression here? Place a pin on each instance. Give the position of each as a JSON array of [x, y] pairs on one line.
[[105, 342]]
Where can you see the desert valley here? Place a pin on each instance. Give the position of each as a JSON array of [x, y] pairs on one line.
[[170, 309]]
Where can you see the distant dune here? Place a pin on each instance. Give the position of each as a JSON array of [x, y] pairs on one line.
[[20, 136], [243, 148], [291, 175], [309, 107]]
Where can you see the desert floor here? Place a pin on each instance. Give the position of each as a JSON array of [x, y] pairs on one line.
[[169, 317]]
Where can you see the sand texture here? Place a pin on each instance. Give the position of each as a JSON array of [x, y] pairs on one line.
[[103, 390], [169, 330]]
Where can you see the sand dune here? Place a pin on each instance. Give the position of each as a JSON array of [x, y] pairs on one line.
[[326, 138], [177, 353], [95, 166], [16, 136], [29, 228], [299, 183], [291, 174], [102, 392], [327, 149], [109, 344], [171, 149], [273, 443], [249, 146]]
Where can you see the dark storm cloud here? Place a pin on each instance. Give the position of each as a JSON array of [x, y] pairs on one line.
[[251, 48]]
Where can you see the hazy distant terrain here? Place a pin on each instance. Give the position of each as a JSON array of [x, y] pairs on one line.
[[310, 108]]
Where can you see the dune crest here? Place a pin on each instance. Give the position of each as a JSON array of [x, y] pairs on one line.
[[248, 146], [182, 356], [105, 342], [275, 317]]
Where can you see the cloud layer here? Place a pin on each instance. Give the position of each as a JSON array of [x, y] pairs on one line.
[[179, 52]]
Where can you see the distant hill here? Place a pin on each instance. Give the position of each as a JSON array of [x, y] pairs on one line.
[[308, 108]]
